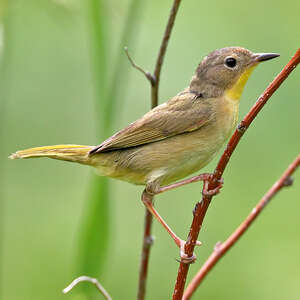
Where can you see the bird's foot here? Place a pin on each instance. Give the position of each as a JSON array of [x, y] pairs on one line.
[[216, 190]]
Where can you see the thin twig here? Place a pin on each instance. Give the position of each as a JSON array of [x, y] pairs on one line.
[[162, 52], [91, 280], [147, 74], [155, 79], [148, 219], [222, 248], [147, 243], [202, 206]]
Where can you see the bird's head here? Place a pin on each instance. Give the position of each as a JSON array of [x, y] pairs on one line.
[[226, 70]]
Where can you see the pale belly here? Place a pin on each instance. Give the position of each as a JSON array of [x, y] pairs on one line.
[[173, 158]]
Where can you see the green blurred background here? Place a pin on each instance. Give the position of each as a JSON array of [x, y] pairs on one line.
[[65, 79]]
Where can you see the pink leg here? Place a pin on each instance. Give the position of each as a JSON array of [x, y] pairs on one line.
[[153, 188], [147, 200], [202, 177]]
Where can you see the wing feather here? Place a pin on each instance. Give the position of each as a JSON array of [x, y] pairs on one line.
[[179, 115]]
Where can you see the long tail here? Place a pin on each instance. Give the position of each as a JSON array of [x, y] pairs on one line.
[[74, 153]]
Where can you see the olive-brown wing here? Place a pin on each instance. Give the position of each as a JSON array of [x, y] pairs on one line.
[[179, 115]]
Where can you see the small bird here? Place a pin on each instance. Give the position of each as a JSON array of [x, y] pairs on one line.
[[176, 138]]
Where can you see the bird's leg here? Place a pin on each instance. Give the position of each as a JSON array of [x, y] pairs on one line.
[[153, 188], [202, 177], [147, 198]]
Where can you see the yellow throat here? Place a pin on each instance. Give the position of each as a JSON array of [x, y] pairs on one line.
[[235, 92]]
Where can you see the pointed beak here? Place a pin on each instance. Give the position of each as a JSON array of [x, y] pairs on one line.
[[259, 57]]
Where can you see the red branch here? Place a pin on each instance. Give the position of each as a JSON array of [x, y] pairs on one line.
[[202, 206], [221, 249]]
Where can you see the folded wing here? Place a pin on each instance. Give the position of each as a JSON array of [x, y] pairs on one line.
[[181, 114]]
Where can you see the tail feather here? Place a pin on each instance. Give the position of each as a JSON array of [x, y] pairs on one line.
[[75, 153]]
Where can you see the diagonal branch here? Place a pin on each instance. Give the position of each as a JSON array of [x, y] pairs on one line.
[[202, 206], [154, 81], [221, 249]]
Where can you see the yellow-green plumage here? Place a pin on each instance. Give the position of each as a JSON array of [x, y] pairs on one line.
[[169, 158], [177, 156], [176, 138], [76, 153]]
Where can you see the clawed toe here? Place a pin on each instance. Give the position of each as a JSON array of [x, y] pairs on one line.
[[214, 191]]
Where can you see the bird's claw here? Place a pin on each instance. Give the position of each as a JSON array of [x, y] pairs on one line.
[[214, 191]]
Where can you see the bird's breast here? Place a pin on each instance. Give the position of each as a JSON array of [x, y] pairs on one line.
[[176, 157], [227, 115]]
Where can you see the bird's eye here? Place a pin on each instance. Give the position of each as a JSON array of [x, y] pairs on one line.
[[230, 62]]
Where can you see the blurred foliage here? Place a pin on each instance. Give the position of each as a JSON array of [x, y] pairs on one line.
[[47, 97], [93, 229], [94, 237]]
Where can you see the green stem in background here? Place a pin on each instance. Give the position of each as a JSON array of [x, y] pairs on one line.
[[94, 230], [93, 234], [5, 27], [118, 85], [2, 204], [96, 23]]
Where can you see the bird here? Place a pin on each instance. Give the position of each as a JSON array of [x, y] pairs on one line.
[[174, 139]]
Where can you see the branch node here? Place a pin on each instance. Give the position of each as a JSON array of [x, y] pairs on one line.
[[241, 128], [188, 260], [288, 181], [149, 240], [217, 246], [147, 74]]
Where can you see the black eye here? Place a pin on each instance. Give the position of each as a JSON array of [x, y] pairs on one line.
[[230, 62]]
